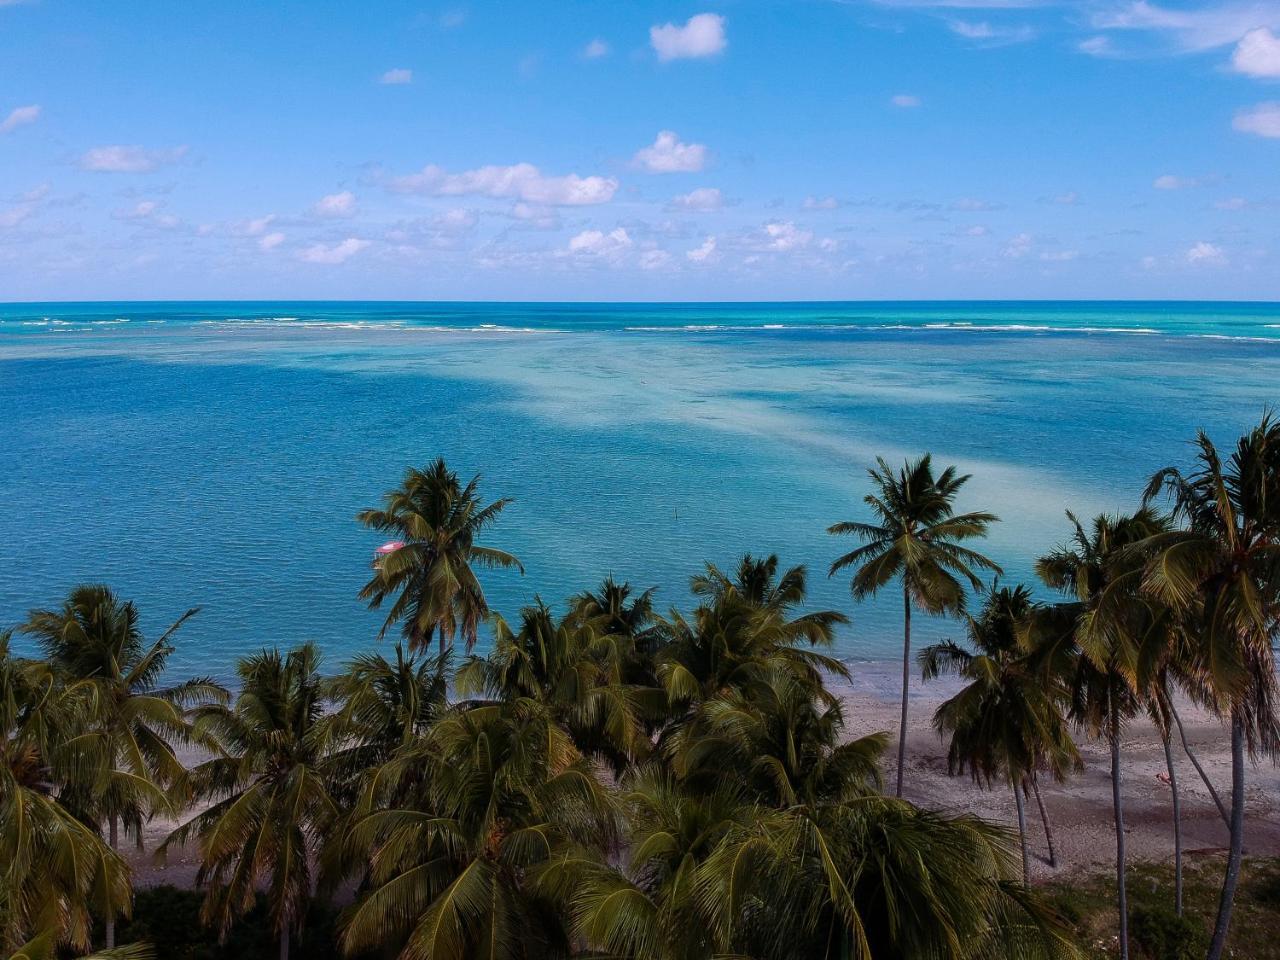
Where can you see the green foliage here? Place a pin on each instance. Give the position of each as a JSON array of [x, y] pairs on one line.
[[1163, 935]]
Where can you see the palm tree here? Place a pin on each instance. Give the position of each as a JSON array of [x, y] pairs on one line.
[[45, 947], [1221, 572], [436, 521], [56, 873], [270, 787], [1007, 722], [94, 637], [917, 539], [1092, 643], [450, 833]]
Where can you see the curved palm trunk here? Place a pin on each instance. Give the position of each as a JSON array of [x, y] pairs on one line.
[[1177, 820], [1227, 899], [1018, 790], [906, 683], [1122, 897], [1044, 819], [1186, 748], [113, 835]]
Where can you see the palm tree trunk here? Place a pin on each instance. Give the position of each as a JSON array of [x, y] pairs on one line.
[[284, 943], [1227, 900], [1122, 896], [1044, 819], [1186, 748], [114, 838], [906, 683], [1177, 820], [1018, 789]]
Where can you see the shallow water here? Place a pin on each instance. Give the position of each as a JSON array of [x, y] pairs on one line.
[[216, 454]]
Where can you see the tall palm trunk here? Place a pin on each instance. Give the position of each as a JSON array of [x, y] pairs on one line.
[[1122, 897], [1018, 790], [1177, 819], [906, 682], [1227, 900], [284, 943], [1044, 819], [114, 837], [1186, 748]]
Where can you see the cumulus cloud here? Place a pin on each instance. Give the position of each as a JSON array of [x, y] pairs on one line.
[[1232, 203], [905, 100], [335, 205], [333, 254], [703, 252], [20, 117], [1019, 246], [271, 240], [783, 236], [1068, 199], [668, 155], [821, 203], [521, 181], [397, 76], [596, 244], [703, 198], [654, 259], [150, 213], [1190, 29], [991, 35], [120, 158], [1206, 254], [257, 226], [596, 49], [1262, 120], [701, 36], [1257, 54], [1059, 256], [1168, 181]]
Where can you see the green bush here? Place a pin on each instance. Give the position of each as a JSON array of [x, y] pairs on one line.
[[1163, 935]]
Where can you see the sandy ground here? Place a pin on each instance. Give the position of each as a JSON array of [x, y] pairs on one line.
[[1080, 810]]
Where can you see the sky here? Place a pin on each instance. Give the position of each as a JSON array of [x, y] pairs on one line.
[[733, 150]]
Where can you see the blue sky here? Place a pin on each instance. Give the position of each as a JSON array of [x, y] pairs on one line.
[[808, 149]]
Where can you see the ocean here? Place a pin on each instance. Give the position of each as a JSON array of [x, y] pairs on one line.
[[215, 454]]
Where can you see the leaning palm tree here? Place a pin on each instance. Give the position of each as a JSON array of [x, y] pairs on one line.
[[429, 569], [1092, 642], [56, 874], [917, 538], [270, 792], [94, 637], [1007, 723], [1221, 572]]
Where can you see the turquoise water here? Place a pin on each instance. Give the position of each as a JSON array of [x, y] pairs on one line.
[[215, 454]]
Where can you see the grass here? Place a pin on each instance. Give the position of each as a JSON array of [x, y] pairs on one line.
[[1155, 931]]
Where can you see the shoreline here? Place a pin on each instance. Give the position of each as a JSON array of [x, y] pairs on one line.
[[1079, 810]]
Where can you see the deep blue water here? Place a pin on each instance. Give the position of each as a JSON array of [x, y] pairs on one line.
[[216, 454]]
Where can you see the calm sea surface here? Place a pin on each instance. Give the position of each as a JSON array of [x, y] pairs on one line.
[[215, 454]]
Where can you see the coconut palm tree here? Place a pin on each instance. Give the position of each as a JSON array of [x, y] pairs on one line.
[[449, 834], [1007, 722], [1221, 572], [94, 637], [435, 520], [916, 538], [56, 873], [270, 791], [1092, 643], [45, 947]]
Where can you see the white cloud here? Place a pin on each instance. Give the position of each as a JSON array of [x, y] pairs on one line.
[[334, 254], [991, 35], [20, 117], [1257, 54], [397, 76], [703, 198], [1068, 199], [1191, 29], [784, 236], [522, 181], [668, 155], [821, 203], [977, 231], [258, 226], [1096, 47], [703, 252], [1169, 181], [1059, 256], [905, 100], [1263, 120], [149, 212], [610, 246], [120, 158], [271, 240], [1019, 246], [596, 49], [1206, 253], [1232, 203], [701, 36], [336, 205], [654, 259]]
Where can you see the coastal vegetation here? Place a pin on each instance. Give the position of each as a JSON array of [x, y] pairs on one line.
[[612, 780]]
